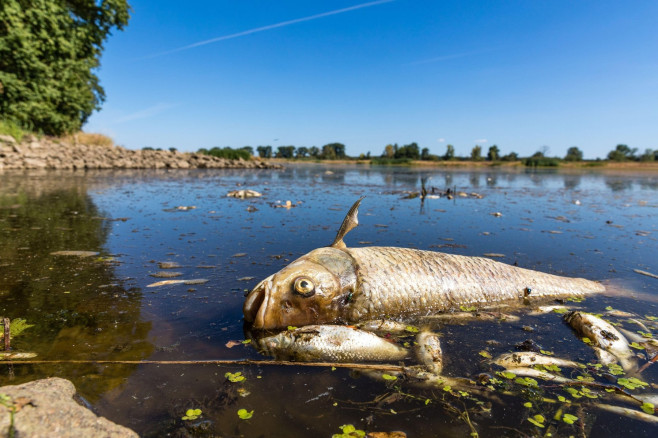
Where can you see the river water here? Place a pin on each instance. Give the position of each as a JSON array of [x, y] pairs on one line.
[[598, 225]]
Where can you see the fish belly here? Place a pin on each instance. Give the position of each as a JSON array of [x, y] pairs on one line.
[[401, 281]]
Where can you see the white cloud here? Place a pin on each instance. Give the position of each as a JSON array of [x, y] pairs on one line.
[[273, 26], [481, 140], [441, 140]]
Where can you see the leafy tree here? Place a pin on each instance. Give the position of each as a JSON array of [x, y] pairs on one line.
[[314, 151], [389, 151], [450, 153], [494, 153], [622, 153], [410, 151], [48, 53], [476, 153], [512, 156], [285, 152], [333, 150], [248, 149], [228, 153], [649, 155], [574, 154], [425, 154], [302, 152], [264, 151]]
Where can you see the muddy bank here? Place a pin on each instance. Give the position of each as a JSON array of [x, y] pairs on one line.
[[53, 153], [47, 408]]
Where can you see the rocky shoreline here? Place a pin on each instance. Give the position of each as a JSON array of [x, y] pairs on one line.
[[53, 153]]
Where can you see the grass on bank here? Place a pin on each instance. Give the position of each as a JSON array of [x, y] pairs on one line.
[[10, 128]]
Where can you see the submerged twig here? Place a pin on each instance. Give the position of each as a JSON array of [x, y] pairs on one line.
[[381, 367], [6, 336]]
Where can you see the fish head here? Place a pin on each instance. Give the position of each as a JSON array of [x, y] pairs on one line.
[[313, 289]]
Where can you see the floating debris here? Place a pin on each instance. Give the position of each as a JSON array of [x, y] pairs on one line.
[[246, 278], [188, 282], [496, 214], [245, 193], [16, 355], [168, 265], [166, 274], [648, 274], [75, 253], [528, 359], [493, 254]]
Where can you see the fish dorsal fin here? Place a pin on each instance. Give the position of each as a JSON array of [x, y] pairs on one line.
[[350, 221]]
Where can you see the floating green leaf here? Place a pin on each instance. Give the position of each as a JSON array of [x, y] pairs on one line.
[[388, 377], [586, 340], [16, 327], [235, 377], [649, 408], [506, 374], [411, 329], [537, 420], [468, 309], [547, 353], [486, 354], [609, 308], [244, 414], [645, 334], [631, 383], [427, 401], [527, 404], [192, 414], [569, 419], [651, 318], [292, 327], [246, 341], [615, 369], [636, 346], [447, 388], [560, 310], [349, 431], [526, 381], [576, 299]]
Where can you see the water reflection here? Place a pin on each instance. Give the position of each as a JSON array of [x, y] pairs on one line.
[[79, 308]]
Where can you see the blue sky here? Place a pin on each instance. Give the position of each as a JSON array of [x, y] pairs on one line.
[[523, 75]]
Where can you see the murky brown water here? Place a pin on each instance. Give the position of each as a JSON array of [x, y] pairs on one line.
[[594, 225]]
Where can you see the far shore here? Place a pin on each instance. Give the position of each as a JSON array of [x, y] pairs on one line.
[[580, 165]]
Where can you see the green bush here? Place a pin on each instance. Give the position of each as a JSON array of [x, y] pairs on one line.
[[541, 162], [10, 128], [227, 152]]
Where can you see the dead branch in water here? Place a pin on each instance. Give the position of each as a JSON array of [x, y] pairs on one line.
[[378, 367]]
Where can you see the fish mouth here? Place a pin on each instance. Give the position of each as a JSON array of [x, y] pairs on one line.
[[256, 303]]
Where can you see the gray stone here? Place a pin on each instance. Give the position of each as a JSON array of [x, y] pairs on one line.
[[45, 408]]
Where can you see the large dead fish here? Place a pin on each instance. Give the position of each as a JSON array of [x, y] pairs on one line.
[[343, 285]]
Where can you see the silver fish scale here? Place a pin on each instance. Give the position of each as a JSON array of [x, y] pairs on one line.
[[395, 281]]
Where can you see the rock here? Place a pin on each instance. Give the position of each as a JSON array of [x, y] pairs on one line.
[[45, 408], [7, 139]]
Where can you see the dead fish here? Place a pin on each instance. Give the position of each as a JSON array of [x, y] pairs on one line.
[[528, 359], [429, 351], [75, 253], [535, 373], [627, 412], [242, 194], [334, 343], [340, 284], [604, 335], [541, 310]]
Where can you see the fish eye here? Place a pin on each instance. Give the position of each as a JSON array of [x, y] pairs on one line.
[[304, 286]]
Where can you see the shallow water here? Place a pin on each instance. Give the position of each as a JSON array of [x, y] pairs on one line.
[[595, 225]]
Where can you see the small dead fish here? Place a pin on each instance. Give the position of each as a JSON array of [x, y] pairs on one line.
[[528, 359], [457, 317], [75, 253], [620, 314], [242, 194], [627, 412], [166, 274], [168, 282], [604, 335], [334, 343], [429, 351], [532, 372], [541, 310]]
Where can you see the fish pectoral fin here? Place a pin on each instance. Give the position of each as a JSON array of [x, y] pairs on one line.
[[350, 222]]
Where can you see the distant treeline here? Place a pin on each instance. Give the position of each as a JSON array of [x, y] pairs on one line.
[[395, 154]]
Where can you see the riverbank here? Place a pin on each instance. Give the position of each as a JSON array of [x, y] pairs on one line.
[[55, 153]]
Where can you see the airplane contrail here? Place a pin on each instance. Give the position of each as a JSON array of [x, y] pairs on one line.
[[273, 26]]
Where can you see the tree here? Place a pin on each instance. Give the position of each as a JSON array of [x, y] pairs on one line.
[[476, 153], [512, 156], [622, 153], [410, 151], [49, 51], [389, 152], [450, 153], [302, 152], [314, 151], [248, 149], [285, 152], [333, 150], [574, 154], [425, 154], [493, 154], [264, 151], [649, 155]]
